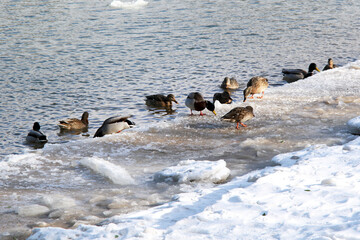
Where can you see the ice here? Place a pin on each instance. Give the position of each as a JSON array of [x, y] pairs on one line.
[[32, 210], [191, 170], [115, 173], [128, 4], [354, 125], [58, 201]]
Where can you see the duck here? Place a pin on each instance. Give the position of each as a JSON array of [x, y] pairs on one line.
[[159, 100], [114, 125], [239, 115], [74, 123], [195, 101], [256, 85], [229, 83], [35, 135], [292, 75], [330, 65], [223, 98]]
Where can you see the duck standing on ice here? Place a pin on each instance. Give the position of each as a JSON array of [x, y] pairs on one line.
[[256, 85], [239, 115], [195, 101]]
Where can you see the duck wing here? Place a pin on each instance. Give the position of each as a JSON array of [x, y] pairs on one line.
[[156, 97], [115, 120], [294, 71]]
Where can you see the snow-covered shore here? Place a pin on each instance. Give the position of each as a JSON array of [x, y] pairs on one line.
[[313, 194]]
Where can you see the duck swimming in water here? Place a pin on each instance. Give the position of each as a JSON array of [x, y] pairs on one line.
[[229, 83], [223, 98], [239, 115], [159, 100], [330, 65], [292, 75], [114, 125], [35, 136], [74, 123], [195, 101], [256, 85]]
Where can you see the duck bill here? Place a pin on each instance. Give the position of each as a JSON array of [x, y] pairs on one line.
[[214, 112], [176, 102], [317, 69]]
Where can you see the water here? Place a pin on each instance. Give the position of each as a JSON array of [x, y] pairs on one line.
[[62, 58]]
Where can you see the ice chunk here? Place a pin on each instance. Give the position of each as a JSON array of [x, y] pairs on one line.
[[58, 201], [128, 4], [191, 170], [32, 210], [115, 173], [354, 125]]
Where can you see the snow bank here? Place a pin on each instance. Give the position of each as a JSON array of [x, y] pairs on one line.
[[191, 170], [313, 194], [115, 173]]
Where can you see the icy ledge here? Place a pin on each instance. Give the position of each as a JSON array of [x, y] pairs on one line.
[[191, 170], [313, 194], [354, 125]]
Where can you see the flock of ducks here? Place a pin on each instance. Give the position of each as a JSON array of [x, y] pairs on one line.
[[194, 101]]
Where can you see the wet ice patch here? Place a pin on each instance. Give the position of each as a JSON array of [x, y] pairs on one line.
[[114, 173], [191, 170]]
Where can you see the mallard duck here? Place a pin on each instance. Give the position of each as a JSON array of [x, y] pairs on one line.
[[256, 85], [160, 100], [330, 65], [195, 101], [35, 136], [239, 115], [223, 98], [114, 125], [292, 75], [74, 123], [229, 83]]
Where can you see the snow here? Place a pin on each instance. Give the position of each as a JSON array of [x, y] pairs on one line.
[[191, 170], [311, 194]]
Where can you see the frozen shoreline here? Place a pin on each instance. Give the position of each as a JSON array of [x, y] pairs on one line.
[[313, 194]]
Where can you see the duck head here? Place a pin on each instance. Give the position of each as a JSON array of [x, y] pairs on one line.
[[247, 92], [313, 67], [210, 106], [171, 97]]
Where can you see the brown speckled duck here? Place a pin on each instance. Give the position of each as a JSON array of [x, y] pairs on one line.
[[229, 83], [330, 65], [195, 101], [292, 75], [239, 115], [74, 123], [159, 100], [223, 98], [256, 85]]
